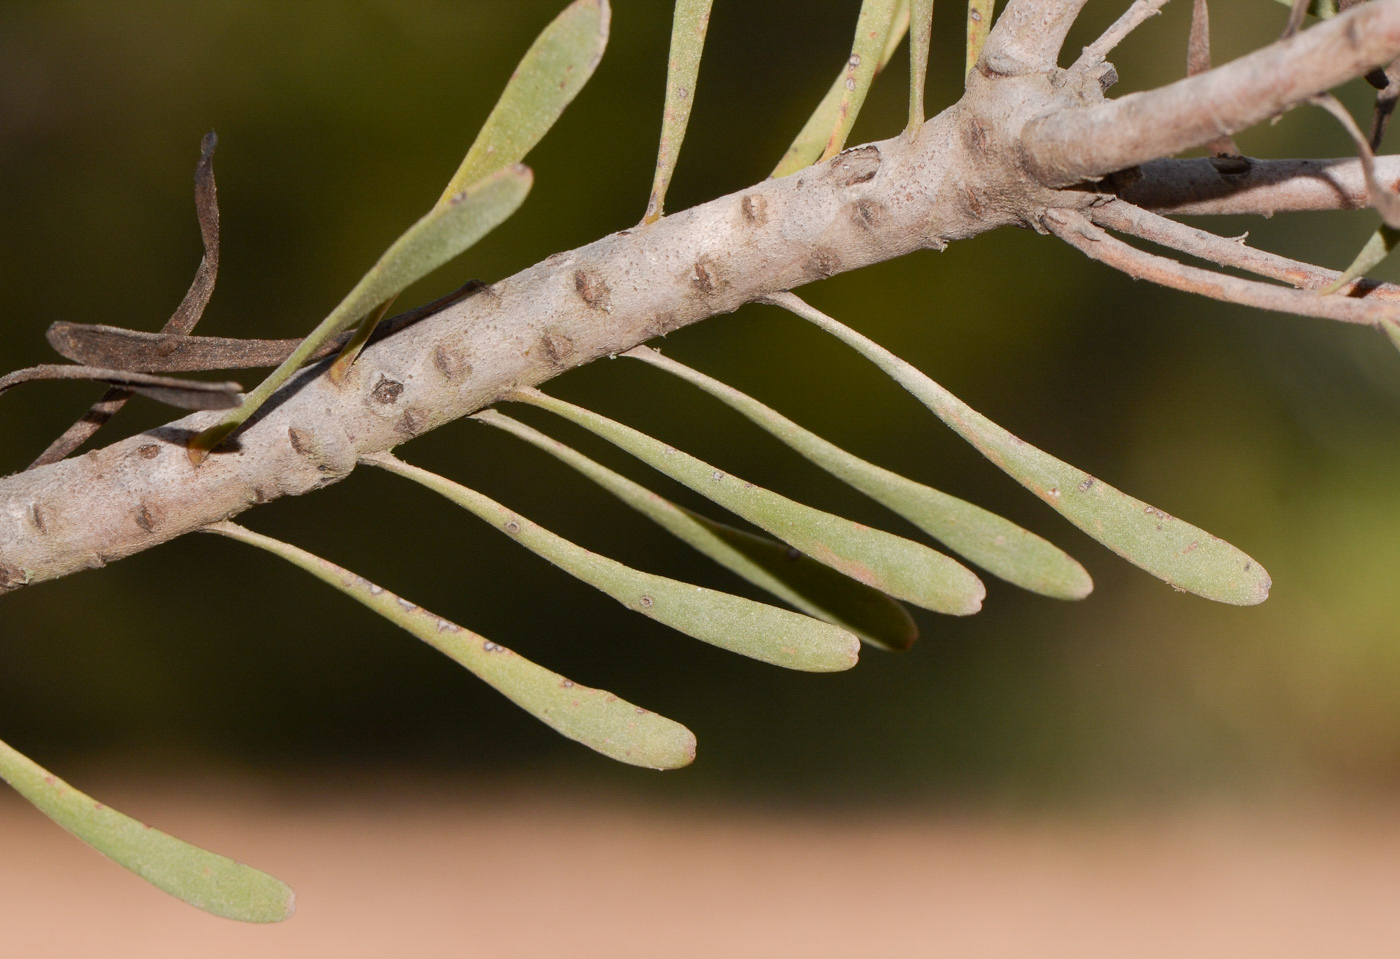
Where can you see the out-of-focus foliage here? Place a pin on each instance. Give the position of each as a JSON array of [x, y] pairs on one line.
[[1277, 433]]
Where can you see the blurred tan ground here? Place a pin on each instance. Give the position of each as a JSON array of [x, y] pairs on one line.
[[503, 874]]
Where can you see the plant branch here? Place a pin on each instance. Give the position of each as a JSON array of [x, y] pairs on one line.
[[1088, 142], [1195, 187], [1132, 18], [1232, 252], [1077, 230]]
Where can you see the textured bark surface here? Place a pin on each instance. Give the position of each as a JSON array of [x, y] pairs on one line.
[[965, 172]]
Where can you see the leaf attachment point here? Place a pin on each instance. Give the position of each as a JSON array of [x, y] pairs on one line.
[[594, 717], [443, 233], [825, 123], [1182, 555], [205, 880], [692, 20]]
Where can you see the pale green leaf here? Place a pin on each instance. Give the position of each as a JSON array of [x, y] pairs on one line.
[[201, 878], [443, 233], [546, 80], [892, 564], [594, 717], [920, 37], [1186, 557], [817, 133], [692, 19], [992, 542], [792, 576], [1391, 328], [1376, 248], [739, 625], [979, 24]]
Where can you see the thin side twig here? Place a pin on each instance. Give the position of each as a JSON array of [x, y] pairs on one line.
[[1082, 143], [186, 315], [1135, 16], [1387, 204], [1126, 218], [1077, 230]]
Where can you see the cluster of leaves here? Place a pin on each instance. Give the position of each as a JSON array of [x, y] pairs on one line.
[[847, 581]]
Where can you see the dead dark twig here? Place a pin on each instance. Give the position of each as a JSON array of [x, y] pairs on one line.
[[186, 315]]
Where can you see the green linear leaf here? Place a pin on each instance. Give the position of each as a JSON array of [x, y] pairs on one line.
[[762, 632], [979, 24], [920, 38], [692, 20], [892, 564], [815, 134], [201, 878], [1376, 248], [546, 80], [594, 717], [792, 576], [873, 27], [992, 542], [1391, 328], [443, 233], [1171, 549]]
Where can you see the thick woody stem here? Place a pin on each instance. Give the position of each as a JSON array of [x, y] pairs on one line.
[[1028, 35], [1089, 142], [1077, 230], [1181, 187]]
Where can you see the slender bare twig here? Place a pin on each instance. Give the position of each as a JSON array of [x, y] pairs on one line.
[[1077, 230], [1387, 204], [1080, 144], [185, 394], [1295, 19], [186, 315], [1132, 18], [1232, 252], [1267, 187], [1387, 94]]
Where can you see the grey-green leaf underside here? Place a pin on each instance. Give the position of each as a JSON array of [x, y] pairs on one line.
[[1182, 555], [788, 574], [203, 879], [594, 717], [992, 542], [546, 80], [740, 625], [892, 564]]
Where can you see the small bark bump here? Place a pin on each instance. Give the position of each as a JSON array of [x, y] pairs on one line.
[[387, 391], [145, 518], [148, 451], [594, 290]]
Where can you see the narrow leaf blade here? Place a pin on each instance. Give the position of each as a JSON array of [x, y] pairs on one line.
[[979, 24], [761, 632], [792, 576], [205, 880], [546, 80], [443, 233], [992, 542], [594, 717], [892, 564], [872, 30], [920, 38], [692, 20], [807, 147], [1377, 247], [1172, 550]]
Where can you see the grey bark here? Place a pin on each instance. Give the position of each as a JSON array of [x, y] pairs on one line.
[[963, 174]]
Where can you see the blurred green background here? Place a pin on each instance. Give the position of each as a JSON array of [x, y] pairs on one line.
[[338, 124]]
